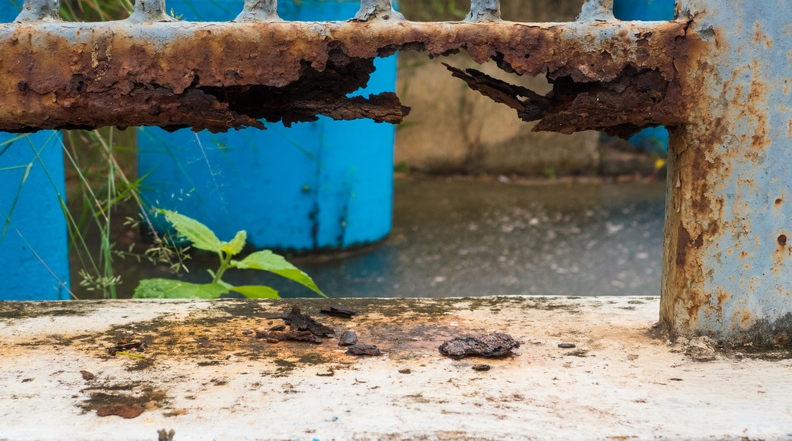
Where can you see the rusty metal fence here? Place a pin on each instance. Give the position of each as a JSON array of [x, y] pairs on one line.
[[717, 76]]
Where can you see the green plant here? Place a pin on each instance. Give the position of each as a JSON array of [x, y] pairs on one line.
[[549, 172], [402, 167], [204, 239]]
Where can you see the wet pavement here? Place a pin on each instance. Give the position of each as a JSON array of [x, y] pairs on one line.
[[472, 237]]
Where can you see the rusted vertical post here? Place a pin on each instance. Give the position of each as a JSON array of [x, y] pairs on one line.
[[39, 10], [728, 243], [371, 10], [483, 11], [597, 10], [147, 11], [259, 10]]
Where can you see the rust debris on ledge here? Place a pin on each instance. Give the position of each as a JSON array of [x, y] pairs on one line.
[[222, 76]]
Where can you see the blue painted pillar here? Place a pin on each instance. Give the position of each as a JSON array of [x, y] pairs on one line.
[[325, 184], [653, 139], [34, 253], [34, 258], [727, 270]]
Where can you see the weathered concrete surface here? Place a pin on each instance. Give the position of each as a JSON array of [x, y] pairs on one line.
[[205, 379], [728, 257]]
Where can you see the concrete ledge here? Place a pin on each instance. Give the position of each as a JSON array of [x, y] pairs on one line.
[[206, 380]]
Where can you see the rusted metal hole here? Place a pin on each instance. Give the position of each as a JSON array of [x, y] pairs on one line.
[[782, 240], [635, 99]]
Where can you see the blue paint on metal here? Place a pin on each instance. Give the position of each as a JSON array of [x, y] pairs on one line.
[[34, 257], [728, 261], [751, 256], [643, 10], [326, 184], [653, 139], [34, 263]]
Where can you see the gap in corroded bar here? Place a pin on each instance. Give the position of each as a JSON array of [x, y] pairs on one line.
[[484, 11], [39, 11], [149, 11], [259, 11], [375, 10], [597, 10]]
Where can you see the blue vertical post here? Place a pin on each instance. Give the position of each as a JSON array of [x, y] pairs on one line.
[[325, 184], [653, 139], [34, 258]]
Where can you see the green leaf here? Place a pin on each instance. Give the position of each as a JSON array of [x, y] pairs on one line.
[[174, 289], [197, 233], [236, 244], [256, 292], [268, 261]]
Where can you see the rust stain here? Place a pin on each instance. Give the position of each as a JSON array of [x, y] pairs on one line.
[[746, 319], [782, 252], [723, 296], [694, 164], [231, 75]]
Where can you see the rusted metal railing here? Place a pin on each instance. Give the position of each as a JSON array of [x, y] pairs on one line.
[[717, 76]]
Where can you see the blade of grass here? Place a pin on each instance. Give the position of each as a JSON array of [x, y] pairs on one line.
[[27, 244], [16, 199], [209, 166]]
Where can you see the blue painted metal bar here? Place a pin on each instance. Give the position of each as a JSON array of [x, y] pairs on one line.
[[324, 184], [34, 261], [727, 269]]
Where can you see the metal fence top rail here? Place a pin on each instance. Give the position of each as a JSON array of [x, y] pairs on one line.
[[155, 70]]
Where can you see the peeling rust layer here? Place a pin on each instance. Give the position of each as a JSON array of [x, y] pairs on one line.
[[219, 76], [622, 107]]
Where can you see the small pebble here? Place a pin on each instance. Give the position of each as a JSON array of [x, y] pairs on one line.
[[247, 332], [87, 375], [278, 328], [566, 345], [348, 338], [481, 367], [405, 371]]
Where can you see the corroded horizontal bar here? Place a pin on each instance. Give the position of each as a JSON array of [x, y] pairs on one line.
[[230, 75]]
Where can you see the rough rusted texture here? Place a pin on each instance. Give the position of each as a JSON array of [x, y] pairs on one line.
[[348, 338], [594, 10], [489, 346], [621, 107], [727, 271], [370, 350], [484, 11], [376, 10], [221, 76], [39, 10]]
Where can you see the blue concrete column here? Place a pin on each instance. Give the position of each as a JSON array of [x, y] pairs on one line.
[[326, 184], [34, 257], [34, 253]]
